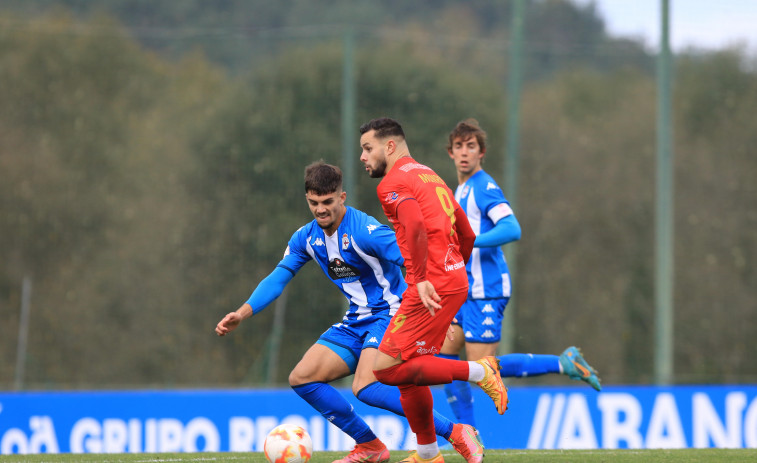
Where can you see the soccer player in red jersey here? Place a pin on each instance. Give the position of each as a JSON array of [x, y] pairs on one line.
[[435, 240]]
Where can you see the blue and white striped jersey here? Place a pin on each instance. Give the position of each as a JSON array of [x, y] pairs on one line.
[[485, 204], [361, 258]]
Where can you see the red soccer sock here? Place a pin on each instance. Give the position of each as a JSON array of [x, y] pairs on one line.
[[418, 405], [425, 370]]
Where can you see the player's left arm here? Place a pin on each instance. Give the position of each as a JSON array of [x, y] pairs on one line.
[[506, 230]]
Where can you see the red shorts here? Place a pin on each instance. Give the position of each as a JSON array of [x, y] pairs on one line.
[[413, 331]]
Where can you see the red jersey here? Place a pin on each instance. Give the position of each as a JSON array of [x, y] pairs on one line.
[[409, 180]]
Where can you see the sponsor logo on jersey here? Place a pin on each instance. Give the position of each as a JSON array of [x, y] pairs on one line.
[[466, 190], [487, 321], [425, 351], [373, 339], [468, 334], [487, 334], [345, 242], [450, 260], [341, 270], [286, 251], [391, 197], [454, 266], [487, 309], [371, 228], [491, 186], [318, 242]]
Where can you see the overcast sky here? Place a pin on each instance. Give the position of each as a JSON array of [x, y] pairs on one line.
[[709, 24]]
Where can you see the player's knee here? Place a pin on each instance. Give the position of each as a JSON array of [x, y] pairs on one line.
[[298, 377], [361, 383], [293, 380]]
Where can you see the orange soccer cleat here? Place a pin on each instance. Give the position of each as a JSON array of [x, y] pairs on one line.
[[465, 441], [492, 383], [368, 452], [415, 458]]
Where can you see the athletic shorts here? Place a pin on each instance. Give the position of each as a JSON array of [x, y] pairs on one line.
[[481, 319], [348, 341], [413, 331]]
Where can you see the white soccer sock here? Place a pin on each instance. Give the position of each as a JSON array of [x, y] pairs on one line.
[[428, 451], [476, 372]]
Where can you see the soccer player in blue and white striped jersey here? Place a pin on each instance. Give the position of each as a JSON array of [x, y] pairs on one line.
[[478, 324], [361, 257]]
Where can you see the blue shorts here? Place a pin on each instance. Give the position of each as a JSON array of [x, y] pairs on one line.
[[481, 319], [348, 341]]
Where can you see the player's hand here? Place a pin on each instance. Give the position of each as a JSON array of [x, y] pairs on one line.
[[427, 293], [228, 324], [451, 332]]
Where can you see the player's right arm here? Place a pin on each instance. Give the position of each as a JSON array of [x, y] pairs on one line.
[[266, 292], [269, 287], [410, 216]]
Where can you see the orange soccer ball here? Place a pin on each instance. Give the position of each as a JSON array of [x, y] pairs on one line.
[[288, 443]]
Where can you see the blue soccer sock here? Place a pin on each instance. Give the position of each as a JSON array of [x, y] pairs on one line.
[[460, 397], [388, 398], [520, 365], [335, 408]]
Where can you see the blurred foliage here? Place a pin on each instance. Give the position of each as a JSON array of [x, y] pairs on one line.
[[152, 153]]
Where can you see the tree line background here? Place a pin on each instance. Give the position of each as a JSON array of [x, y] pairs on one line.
[[152, 153]]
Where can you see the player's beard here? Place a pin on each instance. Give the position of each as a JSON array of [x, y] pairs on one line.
[[326, 226], [379, 171]]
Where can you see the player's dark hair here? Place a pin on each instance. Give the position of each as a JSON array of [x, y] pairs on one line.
[[464, 130], [322, 178], [384, 127]]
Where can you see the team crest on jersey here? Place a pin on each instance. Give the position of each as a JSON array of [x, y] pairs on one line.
[[341, 270], [391, 197], [345, 242]]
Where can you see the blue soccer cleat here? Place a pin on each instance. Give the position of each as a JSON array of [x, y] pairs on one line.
[[574, 365]]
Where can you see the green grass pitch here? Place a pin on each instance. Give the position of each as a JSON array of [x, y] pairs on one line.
[[492, 456]]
